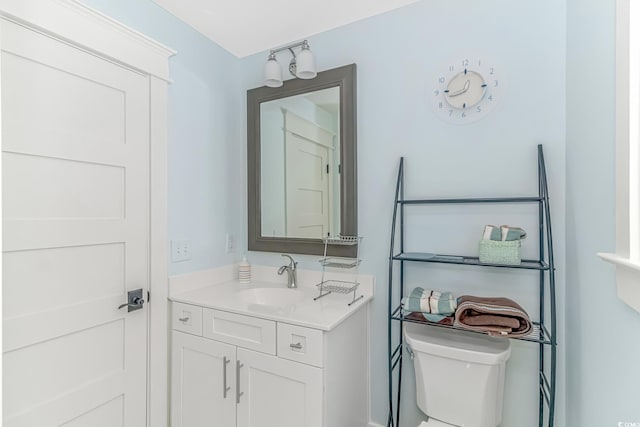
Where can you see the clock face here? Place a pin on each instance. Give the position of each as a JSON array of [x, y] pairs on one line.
[[465, 91]]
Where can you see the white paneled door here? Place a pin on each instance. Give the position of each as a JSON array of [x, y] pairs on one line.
[[75, 188]]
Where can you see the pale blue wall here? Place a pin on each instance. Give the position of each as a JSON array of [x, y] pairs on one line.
[[396, 55], [603, 334], [205, 163]]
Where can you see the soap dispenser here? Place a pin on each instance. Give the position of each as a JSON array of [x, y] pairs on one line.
[[244, 271]]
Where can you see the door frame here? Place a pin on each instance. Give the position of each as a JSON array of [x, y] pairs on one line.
[[81, 26]]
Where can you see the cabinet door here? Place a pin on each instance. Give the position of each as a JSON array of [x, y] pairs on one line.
[[203, 382], [277, 392]]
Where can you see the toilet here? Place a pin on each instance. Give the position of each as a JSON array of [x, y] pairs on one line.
[[459, 375]]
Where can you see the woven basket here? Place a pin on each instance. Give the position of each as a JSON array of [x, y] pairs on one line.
[[499, 252]]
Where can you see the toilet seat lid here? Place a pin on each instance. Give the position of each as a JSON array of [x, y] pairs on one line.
[[434, 423]]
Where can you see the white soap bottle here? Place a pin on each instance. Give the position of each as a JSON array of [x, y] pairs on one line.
[[244, 271]]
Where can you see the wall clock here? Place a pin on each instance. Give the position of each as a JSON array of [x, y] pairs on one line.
[[466, 90]]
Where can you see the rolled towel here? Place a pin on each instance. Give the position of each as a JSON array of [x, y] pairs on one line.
[[495, 316], [491, 232], [508, 233], [433, 304]]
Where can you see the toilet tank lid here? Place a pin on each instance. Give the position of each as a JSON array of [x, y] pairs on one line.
[[455, 344]]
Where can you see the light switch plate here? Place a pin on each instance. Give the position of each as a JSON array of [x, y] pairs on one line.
[[230, 243], [180, 250]]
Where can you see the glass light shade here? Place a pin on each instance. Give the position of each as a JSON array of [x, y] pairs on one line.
[[272, 73], [306, 64]]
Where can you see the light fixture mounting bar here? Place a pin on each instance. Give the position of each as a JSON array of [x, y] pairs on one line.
[[303, 43]]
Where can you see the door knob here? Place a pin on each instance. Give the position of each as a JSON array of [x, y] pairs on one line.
[[135, 300], [137, 303]]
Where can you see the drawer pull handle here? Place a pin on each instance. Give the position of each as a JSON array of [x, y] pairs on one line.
[[183, 319], [238, 392], [225, 389], [297, 346]]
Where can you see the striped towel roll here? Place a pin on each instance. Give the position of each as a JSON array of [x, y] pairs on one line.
[[433, 304]]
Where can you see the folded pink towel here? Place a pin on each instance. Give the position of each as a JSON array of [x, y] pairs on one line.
[[495, 316]]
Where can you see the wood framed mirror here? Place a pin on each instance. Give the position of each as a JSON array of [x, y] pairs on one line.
[[301, 163]]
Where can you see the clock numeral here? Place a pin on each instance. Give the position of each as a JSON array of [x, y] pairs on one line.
[[491, 71], [478, 109], [440, 105], [465, 62], [450, 113], [490, 98], [436, 92], [463, 115], [495, 83], [441, 80], [450, 67]]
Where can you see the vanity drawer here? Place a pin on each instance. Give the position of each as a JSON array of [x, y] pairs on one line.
[[187, 318], [300, 344], [244, 331]]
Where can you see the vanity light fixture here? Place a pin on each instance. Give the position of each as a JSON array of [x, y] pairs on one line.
[[302, 66]]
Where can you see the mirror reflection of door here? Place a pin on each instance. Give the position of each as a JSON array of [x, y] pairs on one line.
[[300, 160], [307, 167]]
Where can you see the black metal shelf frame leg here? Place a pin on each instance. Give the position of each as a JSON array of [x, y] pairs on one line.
[[552, 292], [390, 420], [541, 248]]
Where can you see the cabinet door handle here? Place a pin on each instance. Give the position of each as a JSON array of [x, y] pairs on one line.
[[238, 392], [183, 319], [225, 389], [297, 346]]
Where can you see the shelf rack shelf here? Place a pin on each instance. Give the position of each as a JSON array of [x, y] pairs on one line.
[[528, 264], [544, 329], [327, 286], [539, 334]]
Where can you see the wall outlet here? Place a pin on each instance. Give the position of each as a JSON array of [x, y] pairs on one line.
[[180, 250], [230, 244]]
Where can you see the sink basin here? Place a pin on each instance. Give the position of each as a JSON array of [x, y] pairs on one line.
[[271, 297]]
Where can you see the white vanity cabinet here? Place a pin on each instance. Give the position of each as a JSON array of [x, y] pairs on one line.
[[238, 370], [278, 392], [200, 370]]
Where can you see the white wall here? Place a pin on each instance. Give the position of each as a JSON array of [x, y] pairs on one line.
[[396, 54], [603, 334]]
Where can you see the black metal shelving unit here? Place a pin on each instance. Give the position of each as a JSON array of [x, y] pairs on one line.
[[544, 330]]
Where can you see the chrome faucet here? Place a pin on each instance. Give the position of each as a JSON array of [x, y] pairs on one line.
[[292, 273]]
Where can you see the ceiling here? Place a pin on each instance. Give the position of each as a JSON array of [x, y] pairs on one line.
[[245, 27]]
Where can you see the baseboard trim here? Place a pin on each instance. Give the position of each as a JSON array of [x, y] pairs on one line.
[[375, 425]]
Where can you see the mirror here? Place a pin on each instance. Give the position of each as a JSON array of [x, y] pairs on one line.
[[301, 161]]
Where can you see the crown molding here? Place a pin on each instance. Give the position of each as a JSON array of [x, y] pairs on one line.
[[76, 23]]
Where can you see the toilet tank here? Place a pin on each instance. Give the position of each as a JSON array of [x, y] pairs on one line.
[[459, 374]]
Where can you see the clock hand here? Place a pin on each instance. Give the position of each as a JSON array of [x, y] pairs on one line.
[[461, 91]]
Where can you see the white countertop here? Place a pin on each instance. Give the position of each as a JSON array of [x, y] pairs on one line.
[[325, 313]]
